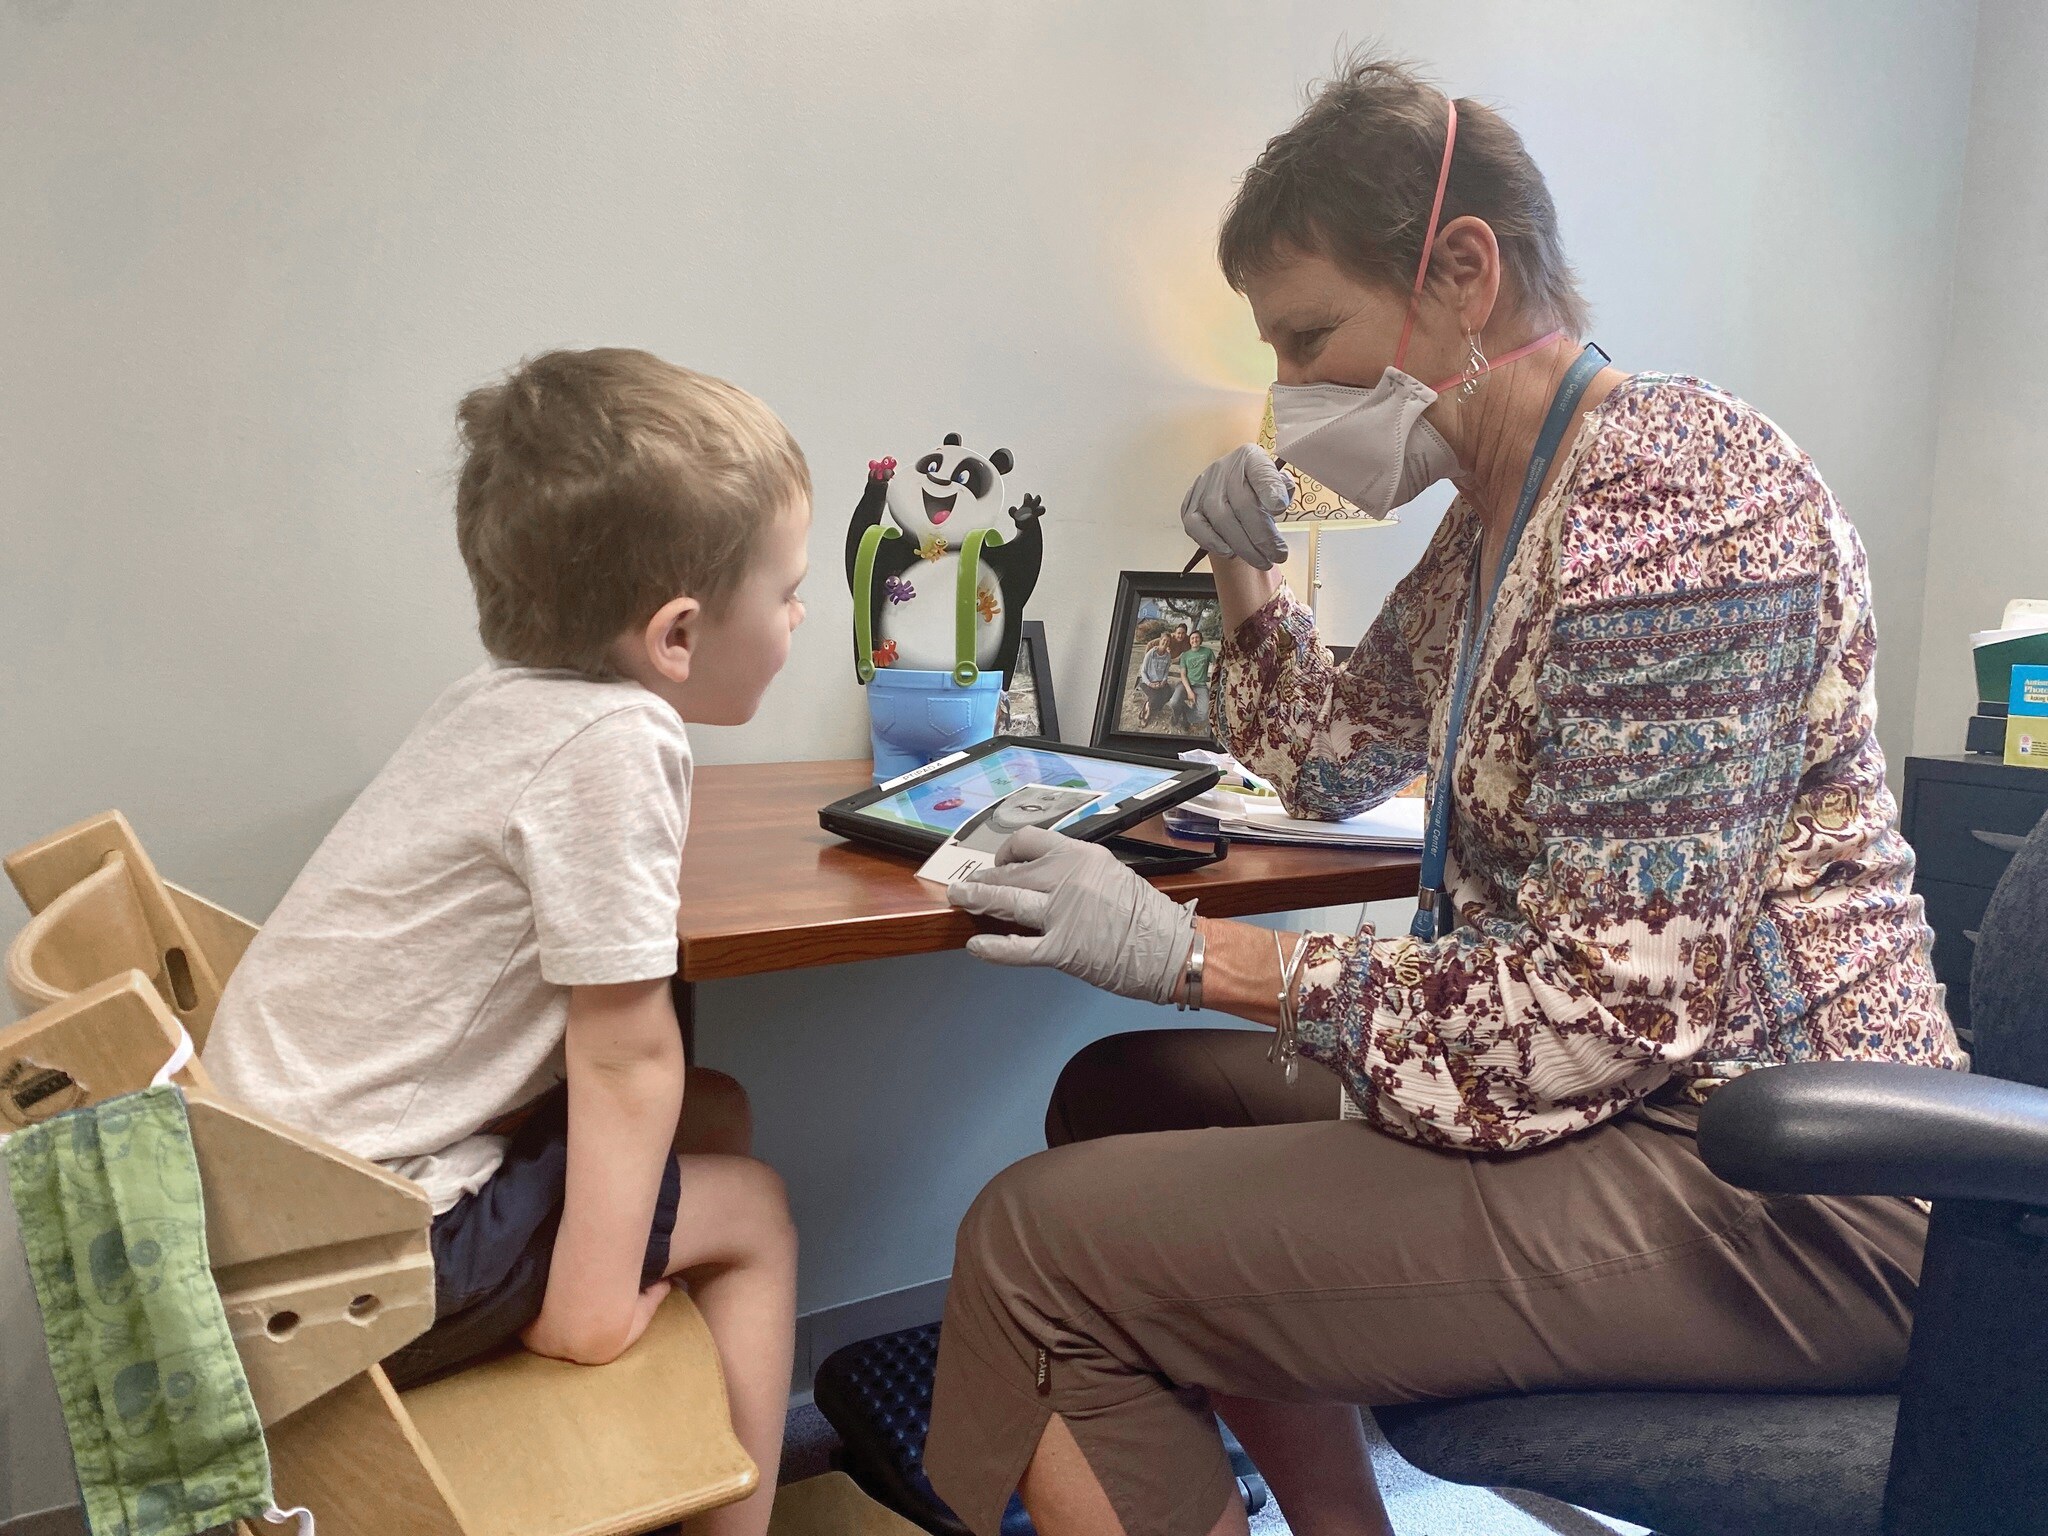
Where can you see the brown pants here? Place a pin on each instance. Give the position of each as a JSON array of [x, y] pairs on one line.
[[1251, 1243]]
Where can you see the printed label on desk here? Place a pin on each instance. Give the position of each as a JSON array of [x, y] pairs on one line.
[[980, 837], [1146, 794], [2026, 741], [917, 773]]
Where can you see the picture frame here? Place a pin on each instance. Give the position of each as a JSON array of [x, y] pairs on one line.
[[1028, 708], [1147, 703]]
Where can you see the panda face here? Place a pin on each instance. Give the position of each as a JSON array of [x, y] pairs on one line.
[[949, 492]]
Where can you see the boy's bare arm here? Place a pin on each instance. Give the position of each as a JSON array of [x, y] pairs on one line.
[[625, 1062]]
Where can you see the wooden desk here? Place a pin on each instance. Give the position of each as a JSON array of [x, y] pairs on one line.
[[765, 888]]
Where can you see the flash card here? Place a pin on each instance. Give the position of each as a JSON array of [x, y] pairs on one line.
[[974, 845]]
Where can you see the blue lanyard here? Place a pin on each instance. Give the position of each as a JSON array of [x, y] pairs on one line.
[[1433, 915]]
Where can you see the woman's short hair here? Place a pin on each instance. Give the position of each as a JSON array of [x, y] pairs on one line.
[[598, 485], [1353, 179]]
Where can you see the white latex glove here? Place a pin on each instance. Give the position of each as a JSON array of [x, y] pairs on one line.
[[1097, 920], [1231, 507]]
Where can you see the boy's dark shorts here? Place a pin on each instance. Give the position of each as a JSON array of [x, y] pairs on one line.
[[492, 1248]]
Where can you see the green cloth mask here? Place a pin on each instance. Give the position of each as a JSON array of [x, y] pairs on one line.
[[163, 1430]]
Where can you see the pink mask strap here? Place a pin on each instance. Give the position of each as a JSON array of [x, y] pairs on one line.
[[1496, 362], [1436, 208]]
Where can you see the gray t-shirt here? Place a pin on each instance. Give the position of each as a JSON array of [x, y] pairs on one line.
[[413, 985]]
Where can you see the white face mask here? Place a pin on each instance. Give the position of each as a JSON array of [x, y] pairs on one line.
[[1370, 446]]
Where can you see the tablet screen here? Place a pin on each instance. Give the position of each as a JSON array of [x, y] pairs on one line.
[[941, 803]]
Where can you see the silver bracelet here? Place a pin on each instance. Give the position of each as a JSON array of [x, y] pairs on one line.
[[1287, 1035], [1191, 979]]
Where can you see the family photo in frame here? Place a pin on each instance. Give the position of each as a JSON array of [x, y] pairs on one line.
[[1165, 632]]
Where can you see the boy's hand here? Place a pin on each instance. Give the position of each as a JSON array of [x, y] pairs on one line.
[[644, 1309]]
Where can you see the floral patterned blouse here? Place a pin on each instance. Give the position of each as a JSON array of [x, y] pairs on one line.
[[1673, 854]]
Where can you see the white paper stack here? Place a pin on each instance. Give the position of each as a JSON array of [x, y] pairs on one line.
[[2023, 616], [1260, 819]]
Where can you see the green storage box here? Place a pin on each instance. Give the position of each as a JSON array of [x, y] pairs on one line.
[[1997, 652]]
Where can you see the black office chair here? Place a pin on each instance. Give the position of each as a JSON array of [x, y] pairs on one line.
[[1962, 1449]]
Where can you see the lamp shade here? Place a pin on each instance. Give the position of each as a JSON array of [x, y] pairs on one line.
[[1315, 502]]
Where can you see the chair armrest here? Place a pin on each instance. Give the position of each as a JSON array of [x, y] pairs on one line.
[[94, 1045], [1879, 1128]]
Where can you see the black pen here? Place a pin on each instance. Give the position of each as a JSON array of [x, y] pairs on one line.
[[1202, 554]]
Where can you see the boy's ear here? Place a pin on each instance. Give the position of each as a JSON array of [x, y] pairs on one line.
[[670, 636]]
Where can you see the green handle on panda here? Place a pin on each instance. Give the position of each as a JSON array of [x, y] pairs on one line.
[[969, 587], [864, 599]]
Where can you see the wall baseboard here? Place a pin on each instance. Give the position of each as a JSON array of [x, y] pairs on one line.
[[819, 1333]]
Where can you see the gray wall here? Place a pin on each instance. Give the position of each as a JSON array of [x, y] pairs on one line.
[[1989, 540], [254, 253]]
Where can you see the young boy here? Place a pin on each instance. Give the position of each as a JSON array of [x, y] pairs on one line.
[[469, 982]]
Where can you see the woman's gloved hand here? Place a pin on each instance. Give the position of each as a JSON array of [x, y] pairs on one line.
[[1232, 506], [1097, 920]]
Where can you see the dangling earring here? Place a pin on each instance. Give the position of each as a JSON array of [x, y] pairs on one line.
[[1475, 365]]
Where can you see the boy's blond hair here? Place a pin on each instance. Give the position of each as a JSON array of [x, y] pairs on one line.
[[598, 485]]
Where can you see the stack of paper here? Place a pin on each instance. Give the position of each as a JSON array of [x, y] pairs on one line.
[[1260, 819]]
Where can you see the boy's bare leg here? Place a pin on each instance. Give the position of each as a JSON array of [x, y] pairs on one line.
[[1064, 1499], [1314, 1458], [716, 1115], [735, 1245]]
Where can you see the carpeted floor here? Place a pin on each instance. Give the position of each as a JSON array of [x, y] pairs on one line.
[[807, 1445], [1421, 1506]]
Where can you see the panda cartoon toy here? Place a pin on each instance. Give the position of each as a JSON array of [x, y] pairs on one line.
[[916, 586]]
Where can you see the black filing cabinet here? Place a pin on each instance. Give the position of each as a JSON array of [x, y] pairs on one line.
[[1964, 817]]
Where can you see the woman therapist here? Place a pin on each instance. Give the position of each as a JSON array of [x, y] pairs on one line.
[[1636, 662]]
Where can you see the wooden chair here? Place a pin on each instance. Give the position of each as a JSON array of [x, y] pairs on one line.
[[323, 1261], [98, 907], [833, 1505]]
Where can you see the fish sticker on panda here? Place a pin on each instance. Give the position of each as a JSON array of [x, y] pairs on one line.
[[929, 512]]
